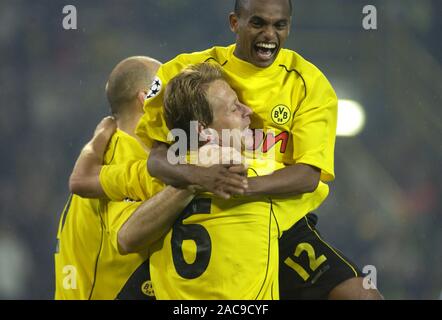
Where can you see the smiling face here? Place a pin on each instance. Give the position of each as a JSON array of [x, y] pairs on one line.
[[262, 27]]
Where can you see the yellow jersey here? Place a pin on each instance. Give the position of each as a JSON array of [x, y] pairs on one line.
[[79, 239], [217, 249], [295, 114], [88, 263], [131, 180]]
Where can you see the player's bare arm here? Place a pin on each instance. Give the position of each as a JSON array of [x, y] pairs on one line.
[[152, 219], [156, 216], [221, 180], [84, 180], [292, 180]]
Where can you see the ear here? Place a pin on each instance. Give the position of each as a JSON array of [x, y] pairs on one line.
[[202, 131], [141, 96], [207, 134], [233, 20]]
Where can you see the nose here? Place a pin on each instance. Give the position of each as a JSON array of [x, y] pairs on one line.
[[246, 111], [268, 32]]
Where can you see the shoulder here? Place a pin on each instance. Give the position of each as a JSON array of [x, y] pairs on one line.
[[216, 53], [294, 62], [123, 147], [119, 137], [311, 75]]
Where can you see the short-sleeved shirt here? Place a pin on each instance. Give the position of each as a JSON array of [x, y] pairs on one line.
[[88, 263], [293, 103]]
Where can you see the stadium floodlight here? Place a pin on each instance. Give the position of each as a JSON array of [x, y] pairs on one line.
[[351, 118]]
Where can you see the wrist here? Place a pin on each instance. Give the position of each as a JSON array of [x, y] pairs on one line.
[[183, 193], [254, 187], [193, 189], [190, 175]]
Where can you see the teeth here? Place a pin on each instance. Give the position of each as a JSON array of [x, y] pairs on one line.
[[266, 45]]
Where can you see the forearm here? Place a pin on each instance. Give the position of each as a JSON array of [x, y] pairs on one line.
[[84, 180], [177, 175], [292, 180], [152, 219], [221, 180]]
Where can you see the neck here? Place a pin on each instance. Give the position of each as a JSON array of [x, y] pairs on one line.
[[127, 121], [237, 53]]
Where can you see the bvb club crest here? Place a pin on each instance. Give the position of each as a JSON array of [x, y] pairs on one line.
[[281, 114], [147, 288]]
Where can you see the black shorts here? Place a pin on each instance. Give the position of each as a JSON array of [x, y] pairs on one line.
[[138, 286], [309, 267]]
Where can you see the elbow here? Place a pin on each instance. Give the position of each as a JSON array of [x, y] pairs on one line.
[[152, 165], [156, 161], [311, 186], [86, 187], [76, 186], [129, 243], [312, 178], [154, 168], [125, 246], [80, 186]]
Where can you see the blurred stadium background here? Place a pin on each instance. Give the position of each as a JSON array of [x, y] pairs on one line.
[[385, 206]]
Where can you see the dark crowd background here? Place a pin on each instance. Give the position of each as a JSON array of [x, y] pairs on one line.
[[384, 208]]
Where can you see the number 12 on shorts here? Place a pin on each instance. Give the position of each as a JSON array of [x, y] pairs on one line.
[[314, 262]]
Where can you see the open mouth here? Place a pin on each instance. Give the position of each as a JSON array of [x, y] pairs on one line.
[[265, 50]]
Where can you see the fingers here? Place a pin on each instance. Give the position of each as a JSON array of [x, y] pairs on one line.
[[235, 180], [195, 189], [231, 184], [222, 194], [223, 182], [109, 119], [227, 191], [239, 169], [234, 191], [107, 124]]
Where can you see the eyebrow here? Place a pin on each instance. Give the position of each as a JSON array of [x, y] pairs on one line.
[[262, 20], [256, 18], [233, 101]]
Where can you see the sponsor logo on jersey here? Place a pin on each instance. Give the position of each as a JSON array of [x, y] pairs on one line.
[[265, 141]]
